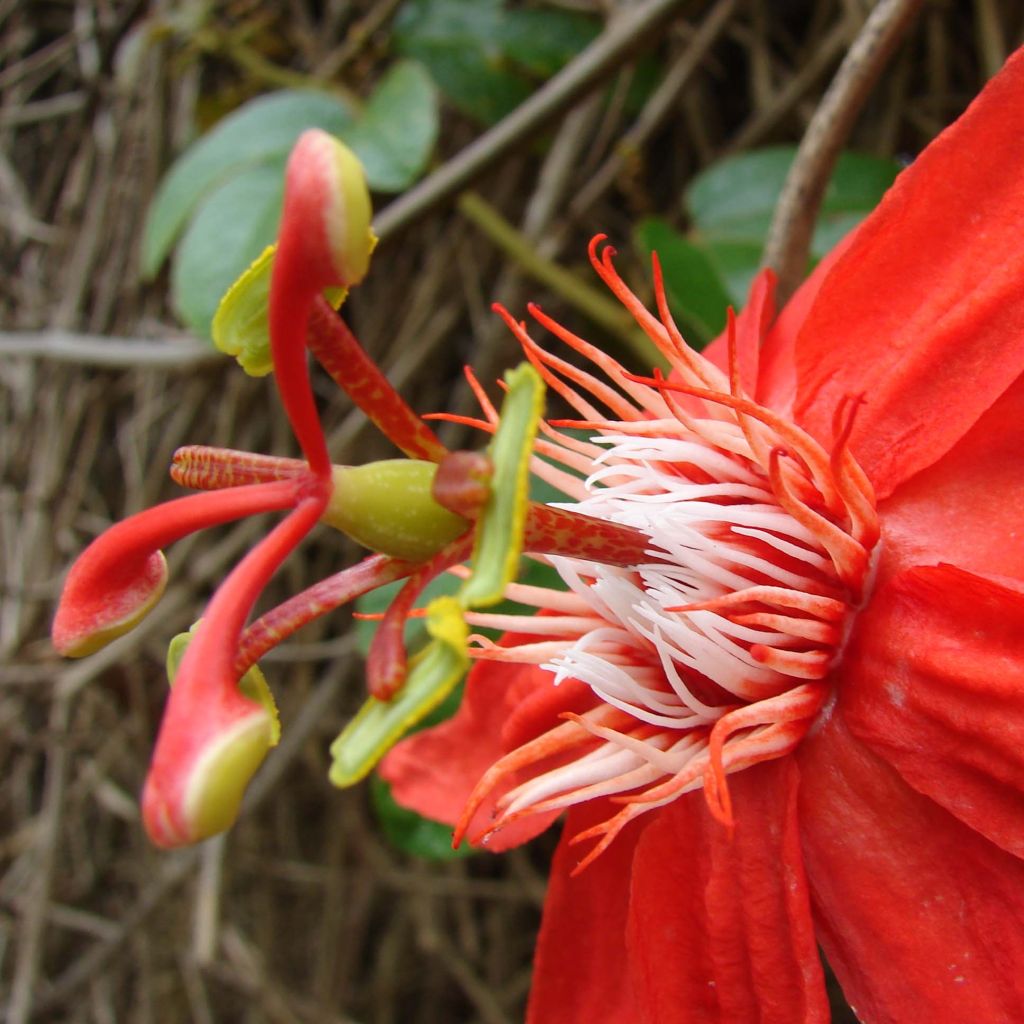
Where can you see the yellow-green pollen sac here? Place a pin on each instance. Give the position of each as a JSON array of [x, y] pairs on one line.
[[220, 777], [252, 685], [239, 326], [388, 507], [349, 211]]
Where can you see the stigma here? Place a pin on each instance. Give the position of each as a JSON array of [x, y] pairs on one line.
[[713, 651]]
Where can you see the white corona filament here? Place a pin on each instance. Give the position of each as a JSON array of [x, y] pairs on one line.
[[712, 655]]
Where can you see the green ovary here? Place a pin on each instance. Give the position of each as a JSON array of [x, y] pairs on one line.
[[387, 507]]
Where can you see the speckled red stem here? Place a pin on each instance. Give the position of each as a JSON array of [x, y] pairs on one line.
[[281, 622], [387, 661], [336, 349]]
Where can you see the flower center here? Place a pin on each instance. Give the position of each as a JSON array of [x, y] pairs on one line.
[[713, 655]]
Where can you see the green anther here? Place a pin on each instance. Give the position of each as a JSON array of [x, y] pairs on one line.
[[240, 323], [252, 685], [387, 507], [433, 674], [499, 536]]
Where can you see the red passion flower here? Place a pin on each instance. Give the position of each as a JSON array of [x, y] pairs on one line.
[[800, 720]]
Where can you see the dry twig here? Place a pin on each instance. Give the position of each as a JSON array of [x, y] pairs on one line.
[[789, 238]]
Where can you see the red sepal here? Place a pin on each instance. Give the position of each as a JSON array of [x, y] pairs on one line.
[[966, 509], [579, 973]]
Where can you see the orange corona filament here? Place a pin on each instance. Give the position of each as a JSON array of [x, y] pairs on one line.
[[711, 652]]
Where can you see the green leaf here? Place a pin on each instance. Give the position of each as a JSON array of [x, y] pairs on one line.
[[736, 264], [499, 533], [485, 58], [433, 674], [696, 291], [410, 832], [731, 206], [229, 230], [395, 135], [543, 41], [262, 131], [459, 42], [737, 192], [734, 200]]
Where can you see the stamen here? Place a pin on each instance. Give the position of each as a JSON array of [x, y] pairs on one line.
[[335, 347], [706, 633], [534, 354], [276, 625]]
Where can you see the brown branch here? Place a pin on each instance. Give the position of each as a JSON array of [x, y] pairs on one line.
[[789, 238], [616, 44], [658, 108]]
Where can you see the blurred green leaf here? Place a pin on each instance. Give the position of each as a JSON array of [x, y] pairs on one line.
[[459, 41], [730, 206], [736, 264], [233, 224], [395, 135], [734, 200], [485, 58], [222, 196], [262, 131], [411, 833], [542, 41]]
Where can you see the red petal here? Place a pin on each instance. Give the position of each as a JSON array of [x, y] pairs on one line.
[[578, 966], [434, 771], [776, 378], [933, 681], [720, 928], [966, 509], [921, 918], [924, 313]]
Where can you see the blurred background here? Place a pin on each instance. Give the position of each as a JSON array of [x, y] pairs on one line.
[[140, 154]]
